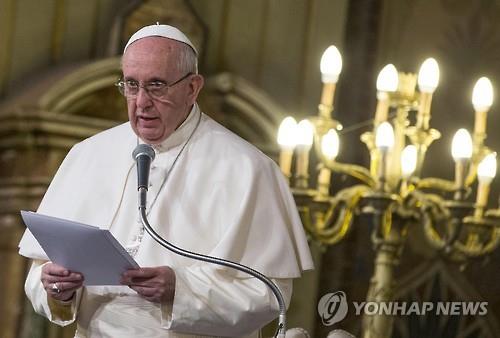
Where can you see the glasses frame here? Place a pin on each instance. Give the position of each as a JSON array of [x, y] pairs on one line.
[[121, 84]]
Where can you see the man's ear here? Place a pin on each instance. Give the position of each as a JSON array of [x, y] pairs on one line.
[[195, 86]]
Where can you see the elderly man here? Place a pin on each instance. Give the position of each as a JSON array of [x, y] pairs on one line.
[[210, 192]]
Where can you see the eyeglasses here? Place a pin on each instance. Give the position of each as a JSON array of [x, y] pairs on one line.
[[155, 89]]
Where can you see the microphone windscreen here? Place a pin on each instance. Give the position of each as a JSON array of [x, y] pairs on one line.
[[143, 154], [143, 149]]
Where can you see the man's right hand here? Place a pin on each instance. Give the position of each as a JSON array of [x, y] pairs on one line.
[[59, 282]]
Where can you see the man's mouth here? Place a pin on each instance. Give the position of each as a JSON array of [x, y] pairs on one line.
[[147, 121], [147, 118]]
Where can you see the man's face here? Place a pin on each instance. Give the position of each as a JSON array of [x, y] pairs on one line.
[[156, 59]]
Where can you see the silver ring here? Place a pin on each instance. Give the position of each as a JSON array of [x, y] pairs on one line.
[[55, 288]]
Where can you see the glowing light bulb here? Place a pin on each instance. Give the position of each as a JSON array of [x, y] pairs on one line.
[[305, 133], [461, 146], [487, 168], [408, 160], [482, 94], [287, 133], [331, 65], [428, 76], [384, 138], [387, 80], [330, 144]]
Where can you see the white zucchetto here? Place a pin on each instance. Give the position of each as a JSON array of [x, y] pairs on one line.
[[165, 31]]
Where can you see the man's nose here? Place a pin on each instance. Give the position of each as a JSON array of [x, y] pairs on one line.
[[143, 99]]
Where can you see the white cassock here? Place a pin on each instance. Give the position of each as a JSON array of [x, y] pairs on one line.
[[223, 197]]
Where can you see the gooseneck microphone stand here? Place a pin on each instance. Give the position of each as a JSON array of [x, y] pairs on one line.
[[280, 333]]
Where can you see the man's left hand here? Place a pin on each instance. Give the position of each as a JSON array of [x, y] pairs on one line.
[[154, 284]]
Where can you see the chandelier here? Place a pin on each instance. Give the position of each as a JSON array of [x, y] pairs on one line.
[[392, 190]]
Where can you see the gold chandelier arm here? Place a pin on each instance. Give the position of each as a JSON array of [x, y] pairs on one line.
[[426, 202], [436, 183], [433, 211], [483, 236], [473, 248], [432, 235], [353, 170], [472, 175], [335, 234], [332, 226]]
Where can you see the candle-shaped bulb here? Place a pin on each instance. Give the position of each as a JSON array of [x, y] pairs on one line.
[[487, 168], [287, 133], [482, 94], [461, 146], [486, 171], [408, 160], [387, 80], [428, 76], [305, 133], [384, 138], [330, 144], [330, 65]]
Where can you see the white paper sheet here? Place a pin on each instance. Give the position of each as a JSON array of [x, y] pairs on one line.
[[80, 247]]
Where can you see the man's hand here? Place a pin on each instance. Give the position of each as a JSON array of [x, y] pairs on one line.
[[153, 284], [59, 282]]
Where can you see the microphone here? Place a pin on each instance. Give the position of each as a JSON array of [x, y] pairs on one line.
[[143, 154]]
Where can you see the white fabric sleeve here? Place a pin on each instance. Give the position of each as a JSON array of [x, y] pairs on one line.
[[214, 302], [60, 313]]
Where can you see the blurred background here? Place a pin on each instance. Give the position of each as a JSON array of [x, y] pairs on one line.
[[59, 60]]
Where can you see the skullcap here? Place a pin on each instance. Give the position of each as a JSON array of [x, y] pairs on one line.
[[165, 31]]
